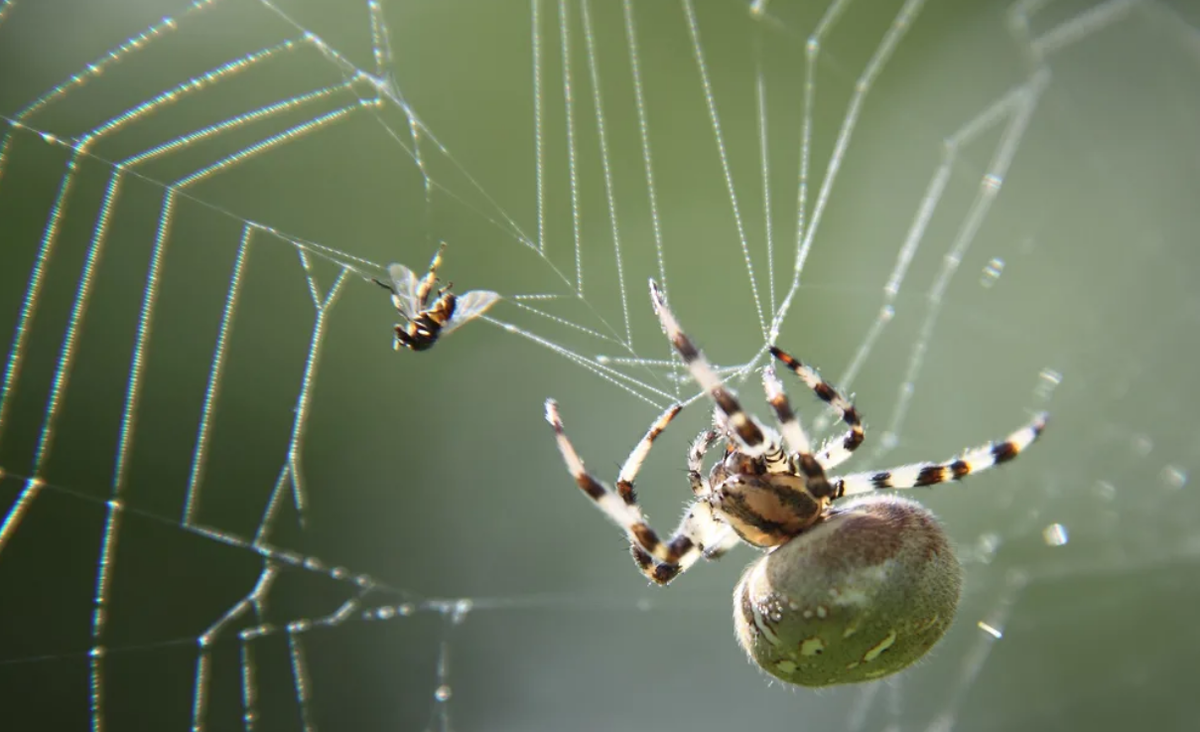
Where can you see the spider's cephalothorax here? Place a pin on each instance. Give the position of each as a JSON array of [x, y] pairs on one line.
[[766, 500], [844, 593], [425, 323]]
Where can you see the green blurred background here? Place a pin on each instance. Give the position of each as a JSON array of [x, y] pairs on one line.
[[434, 473]]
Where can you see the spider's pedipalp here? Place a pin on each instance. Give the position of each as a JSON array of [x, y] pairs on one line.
[[833, 453], [918, 475], [741, 423], [695, 462]]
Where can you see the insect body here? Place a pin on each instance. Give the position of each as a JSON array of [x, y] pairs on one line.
[[425, 323]]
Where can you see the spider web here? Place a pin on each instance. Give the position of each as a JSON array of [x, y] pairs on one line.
[[226, 504]]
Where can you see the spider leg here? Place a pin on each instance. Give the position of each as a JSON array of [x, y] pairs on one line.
[[789, 424], [716, 547], [742, 425], [975, 460], [710, 539], [832, 453], [660, 561], [637, 456], [793, 435]]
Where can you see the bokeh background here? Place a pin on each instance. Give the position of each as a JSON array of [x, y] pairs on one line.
[[1029, 169]]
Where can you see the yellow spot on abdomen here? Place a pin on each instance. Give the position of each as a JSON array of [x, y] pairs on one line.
[[880, 647], [926, 626], [812, 646]]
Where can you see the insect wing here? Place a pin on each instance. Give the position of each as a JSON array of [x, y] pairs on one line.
[[470, 305], [404, 290]]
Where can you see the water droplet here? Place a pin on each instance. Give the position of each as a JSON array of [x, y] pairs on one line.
[[987, 545], [1048, 381], [1174, 476], [1016, 579], [460, 610], [602, 359], [888, 440], [1104, 490], [1055, 535], [405, 609], [994, 632], [1142, 445], [442, 693], [992, 272]]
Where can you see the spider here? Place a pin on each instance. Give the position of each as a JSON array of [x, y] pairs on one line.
[[426, 323], [845, 592]]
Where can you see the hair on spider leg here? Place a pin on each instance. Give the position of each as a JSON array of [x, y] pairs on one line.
[[844, 592]]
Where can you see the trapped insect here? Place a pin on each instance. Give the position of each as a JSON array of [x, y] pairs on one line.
[[426, 323], [845, 592]]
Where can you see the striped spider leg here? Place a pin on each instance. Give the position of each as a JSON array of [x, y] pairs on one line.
[[698, 534], [969, 462], [835, 452], [909, 476]]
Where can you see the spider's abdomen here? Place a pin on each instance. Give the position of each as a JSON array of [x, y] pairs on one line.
[[861, 595]]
